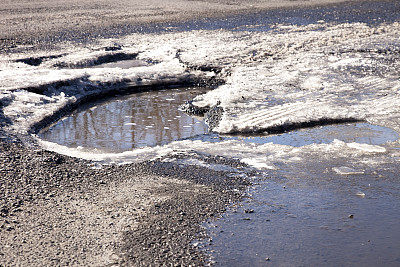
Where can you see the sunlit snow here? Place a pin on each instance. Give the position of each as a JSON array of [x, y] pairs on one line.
[[283, 78]]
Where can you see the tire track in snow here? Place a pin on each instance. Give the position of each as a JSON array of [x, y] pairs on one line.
[[383, 105], [373, 83], [290, 114]]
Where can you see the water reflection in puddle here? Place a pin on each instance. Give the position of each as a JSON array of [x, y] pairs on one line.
[[127, 122]]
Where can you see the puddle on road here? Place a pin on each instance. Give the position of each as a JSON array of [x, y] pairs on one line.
[[127, 122], [153, 118], [321, 220], [363, 133]]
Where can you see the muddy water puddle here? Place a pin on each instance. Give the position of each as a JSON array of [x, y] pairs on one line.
[[127, 122]]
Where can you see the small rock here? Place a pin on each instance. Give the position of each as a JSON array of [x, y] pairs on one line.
[[115, 47], [249, 211], [189, 108]]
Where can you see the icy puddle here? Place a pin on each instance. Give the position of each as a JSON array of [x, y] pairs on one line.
[[127, 122], [317, 207], [363, 133]]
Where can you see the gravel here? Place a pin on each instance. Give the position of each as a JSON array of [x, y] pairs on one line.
[[57, 210]]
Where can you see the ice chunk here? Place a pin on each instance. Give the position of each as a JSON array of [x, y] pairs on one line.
[[367, 148], [259, 163], [360, 194], [346, 170]]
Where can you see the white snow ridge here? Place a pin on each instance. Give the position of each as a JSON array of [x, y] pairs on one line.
[[274, 80]]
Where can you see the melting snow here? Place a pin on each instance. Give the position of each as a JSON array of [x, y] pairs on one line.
[[279, 79], [346, 171]]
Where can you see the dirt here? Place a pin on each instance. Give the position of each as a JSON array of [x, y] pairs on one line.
[[57, 210]]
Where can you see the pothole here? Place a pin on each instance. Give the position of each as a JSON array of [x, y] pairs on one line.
[[127, 122], [153, 118]]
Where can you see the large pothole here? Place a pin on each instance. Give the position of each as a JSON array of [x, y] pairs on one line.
[[152, 118], [127, 122]]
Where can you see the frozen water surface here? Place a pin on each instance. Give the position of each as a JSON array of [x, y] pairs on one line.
[[363, 133]]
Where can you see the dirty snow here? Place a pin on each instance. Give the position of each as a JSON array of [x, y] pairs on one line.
[[283, 78]]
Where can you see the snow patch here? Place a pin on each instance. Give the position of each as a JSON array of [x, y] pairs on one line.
[[293, 75]]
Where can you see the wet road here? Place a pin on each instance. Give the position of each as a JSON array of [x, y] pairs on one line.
[[145, 242], [38, 24]]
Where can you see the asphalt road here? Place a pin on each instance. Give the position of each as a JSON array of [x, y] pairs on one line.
[[37, 22]]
